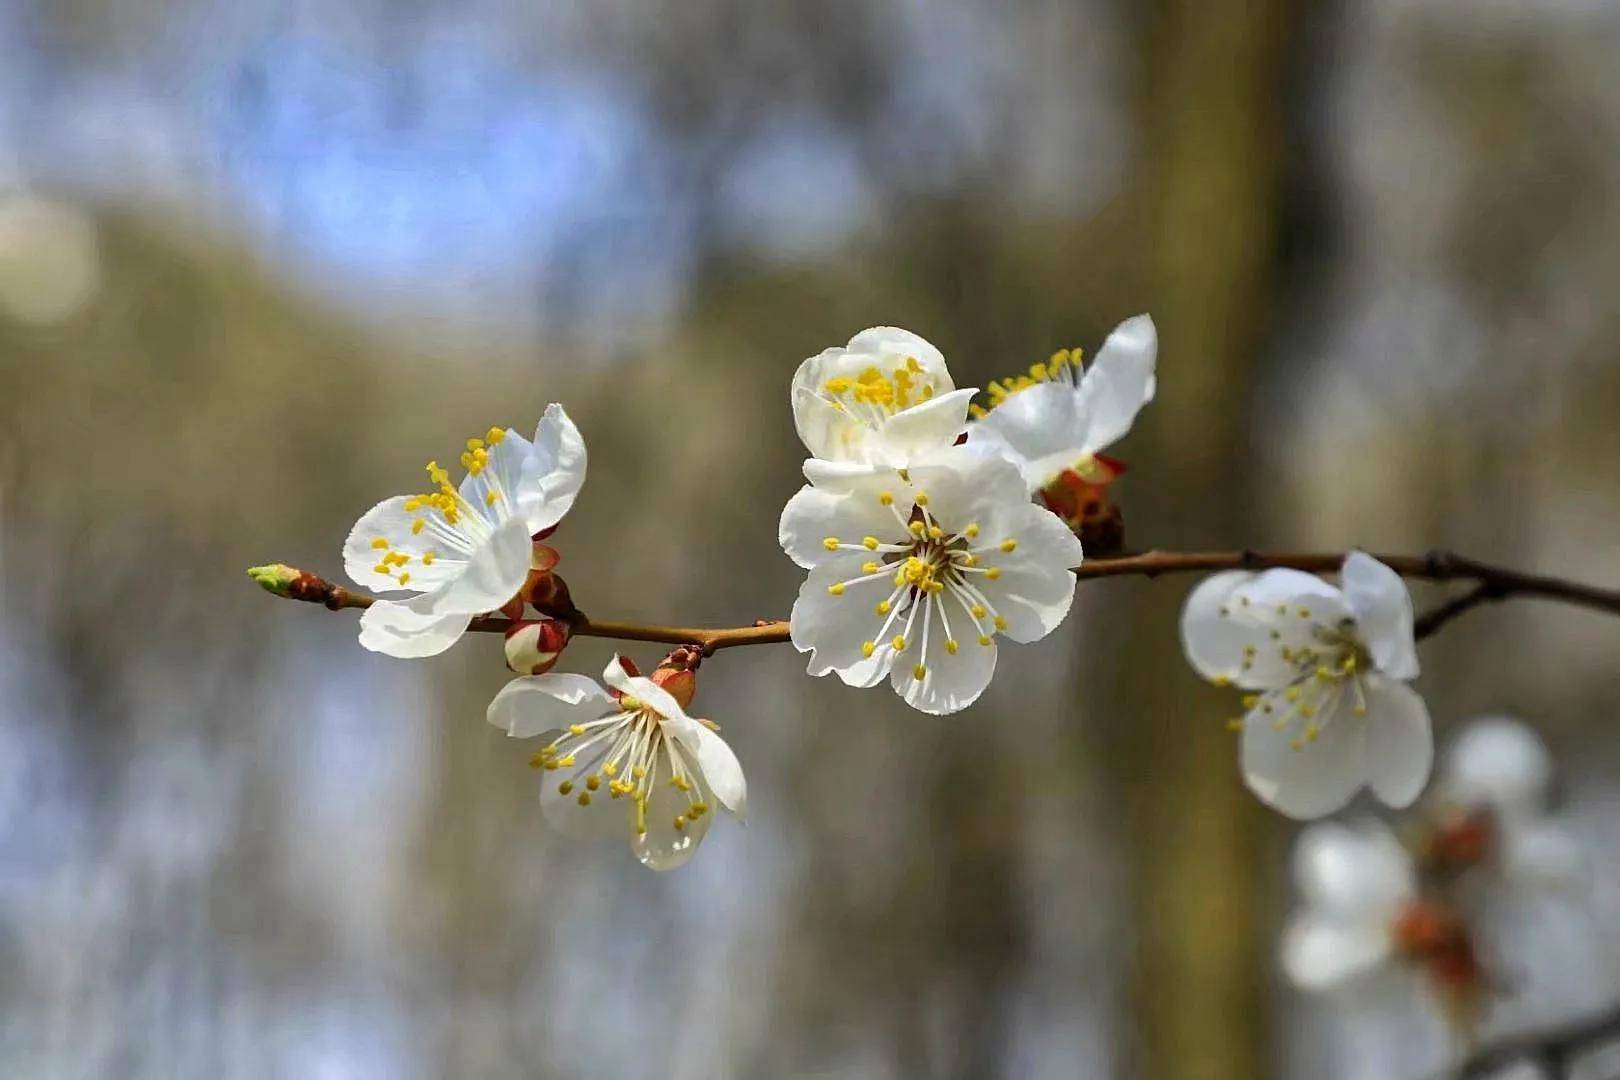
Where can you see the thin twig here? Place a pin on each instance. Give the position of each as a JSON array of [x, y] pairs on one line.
[[1493, 583], [1552, 1048]]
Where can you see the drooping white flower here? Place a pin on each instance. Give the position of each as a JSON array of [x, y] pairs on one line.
[[1493, 791], [884, 398], [629, 760], [1056, 418], [1333, 711], [1355, 883], [465, 550], [914, 572], [1365, 909]]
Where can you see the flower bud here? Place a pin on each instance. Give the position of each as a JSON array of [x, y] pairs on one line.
[[533, 645]]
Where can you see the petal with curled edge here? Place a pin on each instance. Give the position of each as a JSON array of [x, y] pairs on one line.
[[528, 705]]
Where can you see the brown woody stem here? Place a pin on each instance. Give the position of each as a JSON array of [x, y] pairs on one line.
[[1492, 583]]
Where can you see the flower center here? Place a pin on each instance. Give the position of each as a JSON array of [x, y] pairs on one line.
[[628, 753], [874, 395], [1063, 366], [446, 515], [933, 570], [1325, 667]]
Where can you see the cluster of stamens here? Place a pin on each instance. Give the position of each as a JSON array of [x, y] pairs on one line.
[[1328, 665], [931, 570], [873, 395], [1063, 366], [627, 753], [451, 507]]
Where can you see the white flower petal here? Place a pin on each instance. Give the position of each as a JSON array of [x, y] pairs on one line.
[[389, 521], [1315, 779], [925, 427], [1499, 762], [602, 817], [1041, 429], [1036, 587], [1212, 642], [643, 689], [1354, 872], [722, 772], [1382, 606], [950, 682], [866, 672], [827, 432], [833, 628], [531, 704], [663, 846], [1320, 952], [1400, 745], [813, 515], [391, 628], [493, 574], [1118, 382], [554, 471], [891, 343]]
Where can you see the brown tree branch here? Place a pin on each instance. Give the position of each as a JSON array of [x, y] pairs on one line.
[[1492, 583], [1551, 1049]]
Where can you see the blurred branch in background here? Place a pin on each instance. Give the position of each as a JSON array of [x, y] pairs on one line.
[[1551, 1050]]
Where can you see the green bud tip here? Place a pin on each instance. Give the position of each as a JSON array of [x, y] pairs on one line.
[[276, 577]]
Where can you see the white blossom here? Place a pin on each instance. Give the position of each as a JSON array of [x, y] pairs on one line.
[[628, 760], [1355, 884], [884, 398], [915, 572], [1498, 767], [1332, 710], [1056, 418]]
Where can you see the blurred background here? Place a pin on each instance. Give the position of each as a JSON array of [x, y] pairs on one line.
[[259, 261]]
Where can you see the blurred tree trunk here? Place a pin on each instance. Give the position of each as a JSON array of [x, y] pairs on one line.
[[1213, 106]]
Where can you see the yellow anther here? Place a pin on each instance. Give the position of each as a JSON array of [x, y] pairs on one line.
[[1304, 612], [1311, 732], [1307, 711], [1009, 545], [680, 823], [1292, 693], [628, 703], [593, 782], [886, 498], [404, 578], [869, 542], [972, 530], [978, 412], [576, 730], [870, 567], [494, 435], [1235, 724], [418, 525], [380, 544], [992, 573], [428, 557], [899, 643], [584, 798], [951, 646], [984, 639], [935, 532], [609, 768], [831, 543], [1221, 681], [398, 558], [384, 569], [868, 648], [413, 504], [837, 386], [1324, 673], [567, 762], [919, 672], [883, 607], [1001, 624], [921, 498], [565, 788], [912, 365], [916, 528], [475, 444], [1250, 700], [639, 773], [489, 500], [978, 611], [836, 588]]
